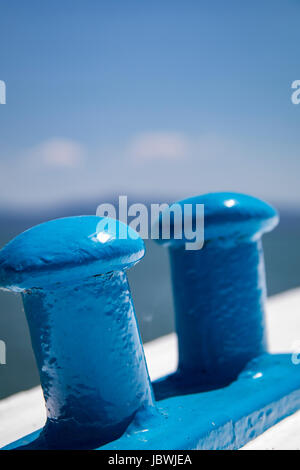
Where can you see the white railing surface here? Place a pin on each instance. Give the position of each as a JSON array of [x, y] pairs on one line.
[[24, 412]]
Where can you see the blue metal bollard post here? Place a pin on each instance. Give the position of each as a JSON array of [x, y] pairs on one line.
[[83, 327], [219, 290]]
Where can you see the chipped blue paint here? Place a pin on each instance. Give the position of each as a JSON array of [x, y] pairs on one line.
[[227, 389]]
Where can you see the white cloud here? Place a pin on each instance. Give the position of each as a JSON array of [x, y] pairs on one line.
[[159, 145], [52, 173], [58, 153]]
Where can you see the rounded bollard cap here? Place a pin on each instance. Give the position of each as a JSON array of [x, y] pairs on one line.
[[228, 216], [67, 249]]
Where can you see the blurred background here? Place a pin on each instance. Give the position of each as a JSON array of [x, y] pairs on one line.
[[157, 100]]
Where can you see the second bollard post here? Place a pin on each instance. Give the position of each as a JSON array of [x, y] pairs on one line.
[[219, 290]]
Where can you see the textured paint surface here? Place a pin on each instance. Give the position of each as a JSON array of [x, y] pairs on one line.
[[83, 331], [69, 248], [267, 391], [227, 389]]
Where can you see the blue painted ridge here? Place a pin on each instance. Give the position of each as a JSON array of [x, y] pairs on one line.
[[228, 215], [70, 247], [226, 418]]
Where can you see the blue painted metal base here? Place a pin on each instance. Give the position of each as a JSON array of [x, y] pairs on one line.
[[265, 392]]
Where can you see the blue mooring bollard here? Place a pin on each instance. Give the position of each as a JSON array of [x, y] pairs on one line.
[[219, 291], [227, 389], [83, 327]]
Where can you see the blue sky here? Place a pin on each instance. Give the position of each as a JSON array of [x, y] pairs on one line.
[[160, 97]]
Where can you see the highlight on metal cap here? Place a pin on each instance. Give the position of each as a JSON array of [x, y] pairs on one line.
[[76, 246], [227, 215]]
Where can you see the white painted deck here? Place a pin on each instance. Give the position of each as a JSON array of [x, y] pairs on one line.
[[24, 412]]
